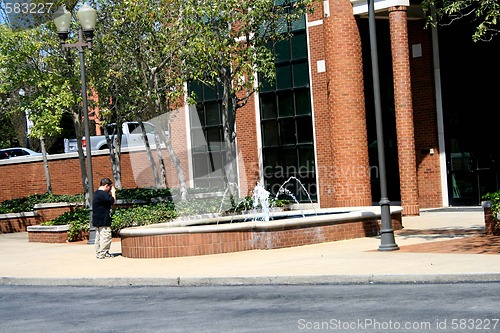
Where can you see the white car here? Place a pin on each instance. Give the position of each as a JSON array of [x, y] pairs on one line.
[[17, 152]]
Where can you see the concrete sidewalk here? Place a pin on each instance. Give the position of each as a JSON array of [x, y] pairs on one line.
[[351, 261]]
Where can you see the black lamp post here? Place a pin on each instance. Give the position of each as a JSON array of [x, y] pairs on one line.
[[87, 17], [387, 241]]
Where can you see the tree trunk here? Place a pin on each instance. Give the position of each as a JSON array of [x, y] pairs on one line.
[[150, 154], [115, 154], [231, 178], [163, 172], [176, 162], [46, 166], [81, 157]]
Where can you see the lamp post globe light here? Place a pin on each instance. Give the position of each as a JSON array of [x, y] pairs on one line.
[[87, 17]]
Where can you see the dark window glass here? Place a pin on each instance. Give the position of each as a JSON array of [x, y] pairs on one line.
[[287, 127], [302, 102], [132, 127], [306, 159], [298, 49], [290, 161], [149, 128], [210, 93], [285, 102], [299, 24], [196, 88], [201, 114], [287, 131], [283, 77], [272, 160], [268, 106], [304, 130], [270, 133], [266, 85], [213, 114], [206, 137], [301, 74], [214, 139], [282, 50]]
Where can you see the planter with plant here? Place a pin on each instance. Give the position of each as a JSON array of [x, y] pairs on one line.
[[491, 207], [78, 222]]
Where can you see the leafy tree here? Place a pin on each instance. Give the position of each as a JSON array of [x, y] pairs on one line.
[[7, 133], [484, 13], [34, 61], [29, 68], [230, 45], [136, 67]]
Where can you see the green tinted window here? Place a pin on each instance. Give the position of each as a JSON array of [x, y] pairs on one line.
[[302, 102], [268, 106], [298, 49], [283, 77], [206, 137], [282, 50], [270, 133], [286, 121], [301, 74], [285, 102], [212, 114]]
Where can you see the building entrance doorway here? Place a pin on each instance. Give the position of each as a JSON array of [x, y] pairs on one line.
[[470, 176], [470, 104]]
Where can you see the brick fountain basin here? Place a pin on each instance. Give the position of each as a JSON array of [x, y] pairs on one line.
[[213, 235]]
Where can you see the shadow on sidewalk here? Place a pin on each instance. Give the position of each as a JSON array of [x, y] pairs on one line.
[[474, 242]]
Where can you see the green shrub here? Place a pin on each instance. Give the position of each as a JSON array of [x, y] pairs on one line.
[[28, 203], [142, 215], [494, 197], [145, 194], [78, 222]]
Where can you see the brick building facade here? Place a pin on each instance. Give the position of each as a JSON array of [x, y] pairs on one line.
[[330, 138]]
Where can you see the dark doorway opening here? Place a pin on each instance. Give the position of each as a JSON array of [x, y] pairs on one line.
[[470, 109]]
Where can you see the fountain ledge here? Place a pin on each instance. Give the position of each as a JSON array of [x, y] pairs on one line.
[[213, 235]]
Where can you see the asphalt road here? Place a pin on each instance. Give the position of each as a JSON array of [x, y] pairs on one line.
[[461, 307]]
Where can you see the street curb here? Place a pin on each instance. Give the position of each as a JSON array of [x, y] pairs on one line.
[[255, 280]]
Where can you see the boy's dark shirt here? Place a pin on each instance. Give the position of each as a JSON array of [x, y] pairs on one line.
[[101, 207]]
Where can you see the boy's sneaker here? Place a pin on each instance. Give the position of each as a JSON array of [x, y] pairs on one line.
[[105, 256]]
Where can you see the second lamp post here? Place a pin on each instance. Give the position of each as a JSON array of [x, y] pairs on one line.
[[87, 17]]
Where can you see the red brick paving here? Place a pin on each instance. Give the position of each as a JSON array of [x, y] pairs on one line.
[[475, 242]]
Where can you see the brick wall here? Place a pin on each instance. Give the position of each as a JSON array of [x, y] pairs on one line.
[[425, 118], [490, 224], [192, 244], [404, 110], [65, 173], [343, 157], [48, 237], [10, 223], [179, 135], [319, 94], [18, 223], [47, 213], [248, 159]]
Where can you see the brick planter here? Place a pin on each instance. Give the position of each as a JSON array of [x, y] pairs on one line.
[[48, 234], [18, 222], [490, 224], [189, 238]]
